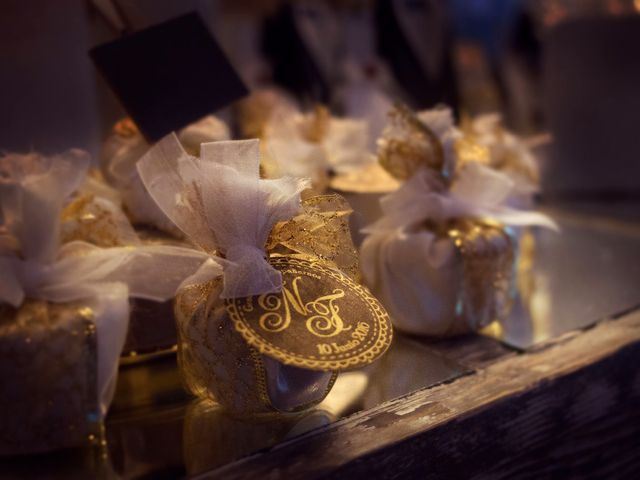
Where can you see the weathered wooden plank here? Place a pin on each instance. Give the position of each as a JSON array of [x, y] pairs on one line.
[[568, 410]]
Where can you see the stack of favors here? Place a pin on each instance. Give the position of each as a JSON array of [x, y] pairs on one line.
[[334, 152]]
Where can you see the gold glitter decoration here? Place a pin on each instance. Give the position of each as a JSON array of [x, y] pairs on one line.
[[214, 359], [87, 220], [408, 144], [48, 364]]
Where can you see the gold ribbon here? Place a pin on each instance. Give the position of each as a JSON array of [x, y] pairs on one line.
[[487, 253], [320, 232], [413, 146]]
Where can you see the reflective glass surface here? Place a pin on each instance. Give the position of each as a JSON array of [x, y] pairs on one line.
[[586, 272], [196, 435], [175, 435]]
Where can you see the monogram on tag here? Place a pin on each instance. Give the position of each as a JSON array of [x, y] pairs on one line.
[[321, 320]]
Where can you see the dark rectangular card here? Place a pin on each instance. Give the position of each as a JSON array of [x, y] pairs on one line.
[[169, 75]]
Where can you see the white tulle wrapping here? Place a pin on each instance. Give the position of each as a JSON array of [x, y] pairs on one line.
[[102, 278], [417, 277], [222, 206], [292, 154], [122, 152], [512, 154], [343, 148], [32, 199], [478, 192]]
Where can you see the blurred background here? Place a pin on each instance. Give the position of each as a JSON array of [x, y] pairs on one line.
[[568, 70]]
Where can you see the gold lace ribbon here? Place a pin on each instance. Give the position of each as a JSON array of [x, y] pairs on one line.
[[487, 253], [410, 145], [321, 232]]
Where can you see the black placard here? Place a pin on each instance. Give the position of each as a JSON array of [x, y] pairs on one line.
[[169, 75], [294, 68]]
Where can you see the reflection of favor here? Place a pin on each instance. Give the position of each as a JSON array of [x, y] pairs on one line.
[[249, 334], [213, 438]]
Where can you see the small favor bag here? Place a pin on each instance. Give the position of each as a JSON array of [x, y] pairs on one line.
[[273, 331], [314, 145], [442, 257], [64, 308]]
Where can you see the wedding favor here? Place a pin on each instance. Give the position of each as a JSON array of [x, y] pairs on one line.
[[272, 330], [314, 145], [64, 307], [254, 111], [441, 258]]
